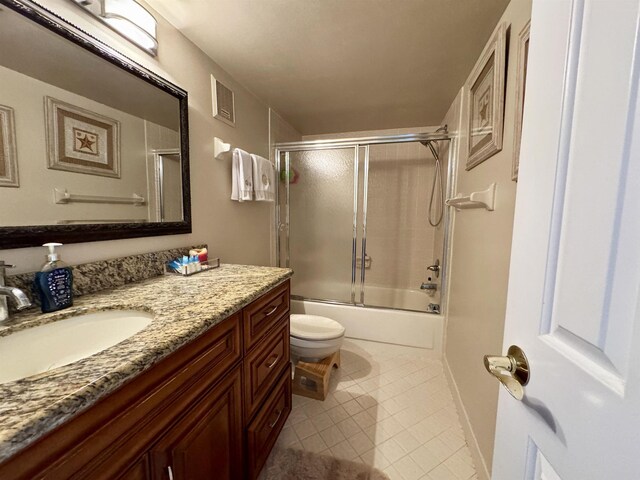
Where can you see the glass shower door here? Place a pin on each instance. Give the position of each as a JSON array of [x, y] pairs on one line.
[[400, 241], [354, 223], [321, 209]]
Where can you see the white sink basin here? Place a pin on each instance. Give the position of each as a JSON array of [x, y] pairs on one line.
[[39, 349]]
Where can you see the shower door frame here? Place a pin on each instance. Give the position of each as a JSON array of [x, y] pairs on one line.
[[356, 144]]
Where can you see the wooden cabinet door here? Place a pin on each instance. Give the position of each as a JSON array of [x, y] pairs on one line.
[[264, 429], [138, 471], [206, 441]]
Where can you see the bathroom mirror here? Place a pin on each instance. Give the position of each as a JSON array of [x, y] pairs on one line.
[[92, 145]]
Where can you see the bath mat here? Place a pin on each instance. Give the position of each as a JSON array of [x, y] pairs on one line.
[[293, 464]]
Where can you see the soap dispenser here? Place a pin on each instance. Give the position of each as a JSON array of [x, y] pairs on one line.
[[54, 282]]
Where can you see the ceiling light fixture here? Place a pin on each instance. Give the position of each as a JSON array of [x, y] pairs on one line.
[[128, 18]]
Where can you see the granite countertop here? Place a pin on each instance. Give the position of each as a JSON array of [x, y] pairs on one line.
[[183, 308]]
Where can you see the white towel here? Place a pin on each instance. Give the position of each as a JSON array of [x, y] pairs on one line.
[[264, 181], [242, 180]]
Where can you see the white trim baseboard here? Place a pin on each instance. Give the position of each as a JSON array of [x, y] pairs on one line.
[[481, 466]]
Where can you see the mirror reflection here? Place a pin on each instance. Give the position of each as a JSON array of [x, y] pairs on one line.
[[82, 141]]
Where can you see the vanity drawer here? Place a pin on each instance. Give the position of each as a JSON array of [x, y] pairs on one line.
[[259, 316], [263, 431], [263, 366]]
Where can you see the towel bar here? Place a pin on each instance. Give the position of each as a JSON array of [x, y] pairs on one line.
[[62, 196], [110, 220]]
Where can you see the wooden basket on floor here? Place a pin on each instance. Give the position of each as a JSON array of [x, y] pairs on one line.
[[312, 379]]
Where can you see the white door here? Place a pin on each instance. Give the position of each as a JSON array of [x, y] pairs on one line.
[[575, 268]]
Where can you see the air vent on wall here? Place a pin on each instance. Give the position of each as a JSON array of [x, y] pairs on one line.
[[223, 107]]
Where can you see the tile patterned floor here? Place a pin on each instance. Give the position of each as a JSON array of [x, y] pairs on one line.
[[389, 407]]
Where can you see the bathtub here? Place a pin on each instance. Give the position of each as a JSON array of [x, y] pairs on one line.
[[398, 298], [389, 325]]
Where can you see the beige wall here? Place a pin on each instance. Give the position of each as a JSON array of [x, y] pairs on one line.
[[480, 264], [235, 232], [35, 194], [280, 131]]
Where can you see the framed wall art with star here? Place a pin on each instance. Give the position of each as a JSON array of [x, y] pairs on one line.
[[521, 80], [81, 141], [485, 90], [8, 156]]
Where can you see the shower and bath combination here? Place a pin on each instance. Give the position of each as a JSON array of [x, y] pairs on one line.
[[358, 198]]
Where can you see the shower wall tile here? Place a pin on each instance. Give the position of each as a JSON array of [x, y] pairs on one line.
[[398, 236]]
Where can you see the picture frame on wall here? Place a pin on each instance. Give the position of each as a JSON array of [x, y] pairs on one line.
[[521, 80], [485, 91], [8, 151], [81, 141]]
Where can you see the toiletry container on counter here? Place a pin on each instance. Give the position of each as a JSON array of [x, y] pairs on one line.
[[54, 282]]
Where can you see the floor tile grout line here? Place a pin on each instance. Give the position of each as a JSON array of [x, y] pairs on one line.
[[423, 374]]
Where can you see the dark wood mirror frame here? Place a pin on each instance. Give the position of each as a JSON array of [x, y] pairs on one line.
[[29, 236]]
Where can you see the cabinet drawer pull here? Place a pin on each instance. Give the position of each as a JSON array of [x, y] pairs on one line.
[[170, 473], [273, 424], [275, 360], [270, 312]]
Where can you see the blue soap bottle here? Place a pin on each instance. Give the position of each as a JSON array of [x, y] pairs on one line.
[[54, 282]]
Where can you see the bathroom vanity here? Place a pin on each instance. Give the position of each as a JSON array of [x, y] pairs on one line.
[[202, 392]]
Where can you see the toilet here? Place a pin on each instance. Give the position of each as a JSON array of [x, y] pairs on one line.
[[314, 338]]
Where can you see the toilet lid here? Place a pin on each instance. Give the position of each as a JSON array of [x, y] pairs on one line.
[[314, 327]]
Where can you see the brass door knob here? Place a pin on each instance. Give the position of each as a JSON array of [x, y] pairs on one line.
[[512, 370]]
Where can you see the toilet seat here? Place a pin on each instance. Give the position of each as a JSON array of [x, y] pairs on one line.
[[315, 327]]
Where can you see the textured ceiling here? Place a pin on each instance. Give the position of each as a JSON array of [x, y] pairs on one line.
[[343, 65]]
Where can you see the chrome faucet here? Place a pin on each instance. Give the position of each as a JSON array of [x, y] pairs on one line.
[[21, 299]]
